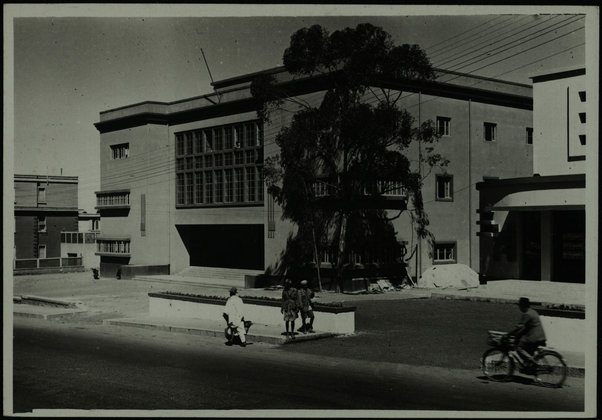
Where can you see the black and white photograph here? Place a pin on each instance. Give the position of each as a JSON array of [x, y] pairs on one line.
[[246, 210]]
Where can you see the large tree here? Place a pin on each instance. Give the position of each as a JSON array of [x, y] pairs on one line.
[[353, 144]]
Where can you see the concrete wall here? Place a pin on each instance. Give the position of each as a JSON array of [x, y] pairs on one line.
[[566, 334], [58, 194], [339, 323], [556, 106], [26, 234]]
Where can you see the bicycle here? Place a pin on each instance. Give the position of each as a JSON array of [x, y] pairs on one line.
[[499, 362]]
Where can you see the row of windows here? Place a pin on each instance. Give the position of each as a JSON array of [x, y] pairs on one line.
[[113, 199], [218, 160], [213, 139], [232, 185], [386, 188], [78, 237], [114, 247], [489, 130]]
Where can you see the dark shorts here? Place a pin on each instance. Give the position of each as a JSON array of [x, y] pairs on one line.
[[307, 314]]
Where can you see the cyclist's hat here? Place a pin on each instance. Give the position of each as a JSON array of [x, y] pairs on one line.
[[233, 291], [524, 302]]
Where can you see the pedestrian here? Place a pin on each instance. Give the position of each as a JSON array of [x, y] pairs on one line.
[[290, 300], [234, 314], [306, 307]]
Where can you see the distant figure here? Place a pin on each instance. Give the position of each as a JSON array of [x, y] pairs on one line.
[[234, 314], [306, 306], [529, 330], [289, 309]]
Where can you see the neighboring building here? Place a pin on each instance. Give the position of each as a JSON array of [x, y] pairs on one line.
[[534, 227], [181, 182], [82, 243], [45, 206]]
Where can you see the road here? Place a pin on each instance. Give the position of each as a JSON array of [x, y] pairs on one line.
[[106, 367]]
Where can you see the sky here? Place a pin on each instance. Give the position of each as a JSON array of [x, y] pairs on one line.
[[70, 65]]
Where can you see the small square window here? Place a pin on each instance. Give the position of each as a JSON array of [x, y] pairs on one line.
[[443, 126], [444, 188], [582, 139], [120, 151], [444, 253], [41, 194], [582, 96], [490, 131], [582, 117], [529, 135]]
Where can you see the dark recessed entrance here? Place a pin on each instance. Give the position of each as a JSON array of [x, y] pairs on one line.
[[226, 246], [569, 246]]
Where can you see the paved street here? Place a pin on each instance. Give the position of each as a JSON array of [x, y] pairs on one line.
[[100, 367]]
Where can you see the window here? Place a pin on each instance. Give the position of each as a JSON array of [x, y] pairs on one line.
[[444, 188], [41, 194], [582, 96], [582, 117], [121, 151], [225, 162], [41, 251], [107, 246], [444, 252], [490, 131], [42, 224], [529, 135], [443, 126], [118, 198]]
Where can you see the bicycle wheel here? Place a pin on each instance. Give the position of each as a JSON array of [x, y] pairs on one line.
[[551, 370], [497, 365]]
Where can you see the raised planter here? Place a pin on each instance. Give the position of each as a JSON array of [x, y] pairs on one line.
[[333, 319]]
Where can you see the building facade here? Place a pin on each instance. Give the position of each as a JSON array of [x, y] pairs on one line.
[[533, 228], [45, 206], [181, 182]]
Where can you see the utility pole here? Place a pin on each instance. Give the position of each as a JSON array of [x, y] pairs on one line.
[[419, 253]]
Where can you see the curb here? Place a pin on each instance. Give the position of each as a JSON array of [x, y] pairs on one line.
[[549, 305], [69, 313], [40, 299]]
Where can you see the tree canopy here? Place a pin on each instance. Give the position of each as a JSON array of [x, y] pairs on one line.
[[351, 146]]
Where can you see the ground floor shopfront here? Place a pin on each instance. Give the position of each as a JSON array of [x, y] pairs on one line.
[[533, 229]]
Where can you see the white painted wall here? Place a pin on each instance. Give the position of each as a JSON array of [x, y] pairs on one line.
[[566, 334], [341, 323], [556, 108]]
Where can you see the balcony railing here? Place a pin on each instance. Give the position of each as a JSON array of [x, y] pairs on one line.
[[384, 188], [113, 247], [112, 199]]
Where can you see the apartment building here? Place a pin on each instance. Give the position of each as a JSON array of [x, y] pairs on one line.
[[45, 206], [181, 182]]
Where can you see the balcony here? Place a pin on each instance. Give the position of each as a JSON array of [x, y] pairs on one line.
[[382, 195], [113, 246], [114, 199]]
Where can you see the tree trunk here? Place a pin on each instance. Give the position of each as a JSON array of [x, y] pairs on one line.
[[341, 251], [317, 258]]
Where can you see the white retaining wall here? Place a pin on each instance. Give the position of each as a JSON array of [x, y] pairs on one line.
[[338, 323], [564, 333]]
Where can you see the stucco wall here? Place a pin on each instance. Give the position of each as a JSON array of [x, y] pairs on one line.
[[557, 126], [145, 171]]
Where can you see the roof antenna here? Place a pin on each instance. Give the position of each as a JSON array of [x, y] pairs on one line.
[[219, 99]]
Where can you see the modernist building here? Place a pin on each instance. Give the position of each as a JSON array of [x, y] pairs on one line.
[[45, 206], [181, 182], [534, 227]]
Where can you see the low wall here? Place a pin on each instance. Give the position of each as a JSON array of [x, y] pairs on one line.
[[338, 320], [128, 272], [564, 333]]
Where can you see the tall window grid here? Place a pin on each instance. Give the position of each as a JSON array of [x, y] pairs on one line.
[[219, 166]]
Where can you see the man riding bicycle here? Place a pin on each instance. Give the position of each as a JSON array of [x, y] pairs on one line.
[[529, 330]]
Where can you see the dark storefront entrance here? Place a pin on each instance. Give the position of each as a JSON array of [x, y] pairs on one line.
[[226, 246], [569, 246]]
